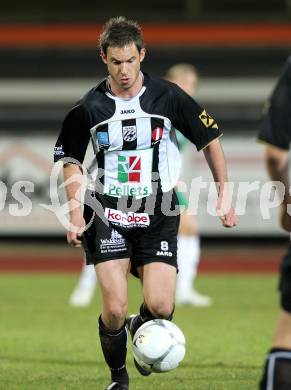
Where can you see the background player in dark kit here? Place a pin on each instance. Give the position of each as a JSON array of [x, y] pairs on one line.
[[131, 116], [276, 132]]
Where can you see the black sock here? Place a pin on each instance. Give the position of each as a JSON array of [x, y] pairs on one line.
[[113, 343], [277, 370], [144, 316]]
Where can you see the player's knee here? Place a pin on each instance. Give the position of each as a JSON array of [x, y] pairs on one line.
[[161, 309], [115, 313]]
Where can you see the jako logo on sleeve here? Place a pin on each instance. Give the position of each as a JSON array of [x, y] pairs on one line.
[[58, 151]]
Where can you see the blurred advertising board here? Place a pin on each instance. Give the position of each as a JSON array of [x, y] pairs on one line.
[[26, 192]]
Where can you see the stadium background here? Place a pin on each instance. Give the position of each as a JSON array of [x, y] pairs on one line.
[[49, 58]]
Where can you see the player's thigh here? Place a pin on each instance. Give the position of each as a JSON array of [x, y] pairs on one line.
[[112, 276], [159, 283]]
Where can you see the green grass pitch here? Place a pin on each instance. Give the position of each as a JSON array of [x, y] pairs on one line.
[[45, 344]]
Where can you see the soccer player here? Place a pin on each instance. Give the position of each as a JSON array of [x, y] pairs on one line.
[[132, 214], [276, 133], [186, 77]]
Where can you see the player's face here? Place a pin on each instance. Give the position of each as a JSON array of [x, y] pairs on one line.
[[123, 65], [187, 81]]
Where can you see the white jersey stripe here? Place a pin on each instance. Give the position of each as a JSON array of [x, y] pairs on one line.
[[144, 133]]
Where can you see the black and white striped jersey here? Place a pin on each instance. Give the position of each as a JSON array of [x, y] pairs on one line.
[[134, 140]]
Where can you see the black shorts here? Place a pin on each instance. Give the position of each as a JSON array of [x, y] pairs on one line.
[[285, 281], [140, 236]]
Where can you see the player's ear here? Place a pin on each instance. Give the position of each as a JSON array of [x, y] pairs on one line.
[[103, 56], [142, 54]]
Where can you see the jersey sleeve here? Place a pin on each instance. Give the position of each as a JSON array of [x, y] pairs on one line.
[[192, 120], [276, 123], [74, 136]]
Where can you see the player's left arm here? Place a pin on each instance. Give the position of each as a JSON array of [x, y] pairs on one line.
[[215, 158]]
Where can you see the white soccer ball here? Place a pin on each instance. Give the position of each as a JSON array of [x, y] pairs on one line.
[[159, 345]]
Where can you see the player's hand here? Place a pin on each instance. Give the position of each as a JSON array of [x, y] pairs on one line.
[[285, 218], [229, 219], [74, 237], [225, 211]]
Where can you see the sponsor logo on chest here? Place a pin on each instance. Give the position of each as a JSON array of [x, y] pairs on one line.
[[129, 133], [129, 169], [127, 220], [157, 134], [102, 140]]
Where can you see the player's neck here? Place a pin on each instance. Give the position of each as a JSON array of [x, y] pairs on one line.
[[127, 93]]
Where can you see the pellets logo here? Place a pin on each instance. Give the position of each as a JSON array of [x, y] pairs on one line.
[[207, 120], [129, 169], [127, 220], [157, 134]]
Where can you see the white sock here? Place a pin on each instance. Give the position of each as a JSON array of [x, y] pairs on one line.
[[188, 259], [88, 276]]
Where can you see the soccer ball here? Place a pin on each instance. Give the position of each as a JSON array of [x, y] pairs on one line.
[[159, 345]]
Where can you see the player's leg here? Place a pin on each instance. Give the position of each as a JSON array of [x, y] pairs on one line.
[[154, 260], [103, 245], [85, 288], [277, 369], [188, 260], [159, 281], [112, 278]]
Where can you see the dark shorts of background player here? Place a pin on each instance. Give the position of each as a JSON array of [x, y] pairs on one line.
[[285, 281], [143, 245]]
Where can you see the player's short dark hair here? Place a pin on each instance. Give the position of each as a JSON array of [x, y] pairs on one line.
[[119, 32]]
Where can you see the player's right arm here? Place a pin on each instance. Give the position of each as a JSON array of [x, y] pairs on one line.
[[73, 179], [70, 148]]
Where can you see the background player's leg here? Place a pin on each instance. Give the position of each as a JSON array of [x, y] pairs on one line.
[[188, 257], [84, 290], [112, 277], [282, 337], [277, 369]]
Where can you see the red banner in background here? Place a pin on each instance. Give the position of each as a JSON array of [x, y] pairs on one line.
[[220, 35]]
